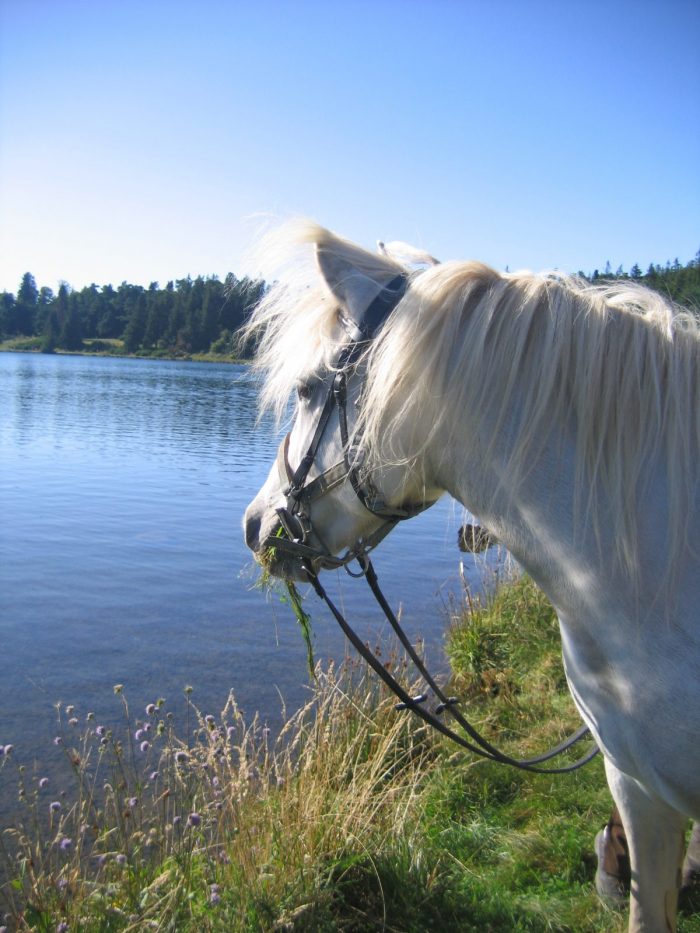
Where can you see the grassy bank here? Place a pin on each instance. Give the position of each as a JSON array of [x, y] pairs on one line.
[[356, 818], [112, 347]]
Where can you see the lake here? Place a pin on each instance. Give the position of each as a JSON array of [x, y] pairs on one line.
[[122, 488]]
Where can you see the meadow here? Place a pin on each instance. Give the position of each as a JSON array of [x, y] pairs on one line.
[[354, 818]]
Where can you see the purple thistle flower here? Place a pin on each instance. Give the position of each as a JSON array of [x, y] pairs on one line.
[[194, 819], [144, 746], [43, 782], [66, 844], [100, 730], [73, 721], [177, 820], [55, 806], [209, 720], [62, 927], [58, 740], [9, 749], [133, 801], [153, 776], [150, 709], [138, 735], [70, 710], [120, 859]]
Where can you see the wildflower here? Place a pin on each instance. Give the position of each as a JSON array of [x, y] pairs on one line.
[[194, 819], [58, 740], [62, 927], [133, 801], [231, 732], [153, 776], [177, 820], [73, 721], [209, 720], [100, 730], [138, 735], [66, 844], [43, 782], [90, 717], [70, 710], [118, 688], [150, 709], [8, 749], [181, 757], [120, 859], [214, 896], [188, 690], [54, 806]]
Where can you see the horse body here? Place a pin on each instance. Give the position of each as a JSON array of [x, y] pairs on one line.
[[519, 397]]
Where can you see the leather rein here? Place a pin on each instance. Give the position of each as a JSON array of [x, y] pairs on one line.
[[295, 519]]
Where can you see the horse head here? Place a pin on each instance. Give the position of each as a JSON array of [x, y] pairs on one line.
[[326, 500]]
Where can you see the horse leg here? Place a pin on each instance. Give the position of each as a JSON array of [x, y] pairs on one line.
[[655, 834], [612, 879], [691, 865]]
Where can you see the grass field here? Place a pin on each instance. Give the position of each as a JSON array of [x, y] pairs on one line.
[[356, 818]]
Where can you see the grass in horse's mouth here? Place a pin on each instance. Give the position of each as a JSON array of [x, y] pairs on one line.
[[294, 598]]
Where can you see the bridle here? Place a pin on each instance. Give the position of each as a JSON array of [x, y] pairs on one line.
[[297, 531]]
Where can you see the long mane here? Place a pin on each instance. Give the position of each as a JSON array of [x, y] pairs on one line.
[[468, 343]]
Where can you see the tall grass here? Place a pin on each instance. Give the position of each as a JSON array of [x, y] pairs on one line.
[[354, 818]]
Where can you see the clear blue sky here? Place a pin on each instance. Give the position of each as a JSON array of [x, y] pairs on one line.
[[139, 137]]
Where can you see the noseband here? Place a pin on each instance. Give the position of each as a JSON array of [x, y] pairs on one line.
[[295, 519]]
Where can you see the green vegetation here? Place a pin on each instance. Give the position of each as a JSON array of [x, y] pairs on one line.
[[356, 818], [188, 318], [197, 318]]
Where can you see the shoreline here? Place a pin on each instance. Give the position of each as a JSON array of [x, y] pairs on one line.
[[109, 354]]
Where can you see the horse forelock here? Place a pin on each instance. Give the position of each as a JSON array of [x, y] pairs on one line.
[[294, 326]]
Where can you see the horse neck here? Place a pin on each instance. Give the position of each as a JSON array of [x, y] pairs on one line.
[[535, 516]]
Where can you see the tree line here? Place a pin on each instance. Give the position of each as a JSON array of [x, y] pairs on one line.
[[187, 316], [201, 315]]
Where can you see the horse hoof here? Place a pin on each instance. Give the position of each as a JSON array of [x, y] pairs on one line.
[[611, 890]]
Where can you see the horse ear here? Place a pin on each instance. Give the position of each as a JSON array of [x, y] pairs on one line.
[[354, 276]]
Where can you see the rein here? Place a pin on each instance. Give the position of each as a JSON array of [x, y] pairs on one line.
[[295, 519]]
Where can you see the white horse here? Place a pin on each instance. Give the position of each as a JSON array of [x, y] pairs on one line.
[[567, 417]]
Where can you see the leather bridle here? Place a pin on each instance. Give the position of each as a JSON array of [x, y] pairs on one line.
[[297, 531]]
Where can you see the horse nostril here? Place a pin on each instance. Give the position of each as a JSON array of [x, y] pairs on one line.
[[252, 531]]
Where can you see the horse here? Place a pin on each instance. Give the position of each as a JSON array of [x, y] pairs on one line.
[[566, 416]]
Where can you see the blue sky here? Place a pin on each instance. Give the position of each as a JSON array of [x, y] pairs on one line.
[[140, 140]]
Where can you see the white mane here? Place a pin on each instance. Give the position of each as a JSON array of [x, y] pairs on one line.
[[618, 360]]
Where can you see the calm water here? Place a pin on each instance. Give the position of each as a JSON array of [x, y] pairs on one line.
[[122, 488]]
